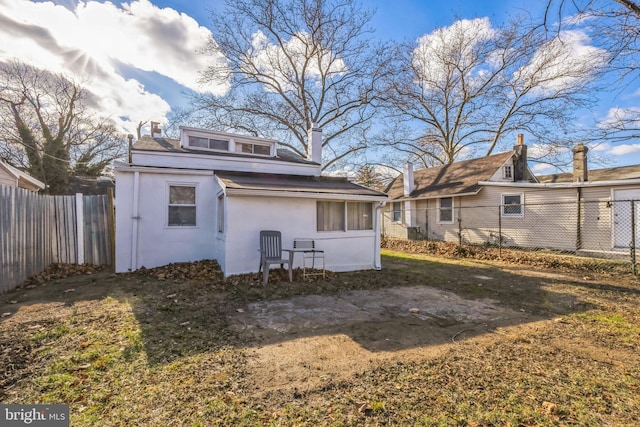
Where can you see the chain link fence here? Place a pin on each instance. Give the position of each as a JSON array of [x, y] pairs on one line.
[[601, 229]]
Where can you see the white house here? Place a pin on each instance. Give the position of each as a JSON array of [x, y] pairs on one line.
[[209, 194], [16, 178]]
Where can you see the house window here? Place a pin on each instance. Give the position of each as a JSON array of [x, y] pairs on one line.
[[330, 216], [396, 214], [512, 205], [359, 216], [507, 172], [260, 149], [334, 216], [208, 143], [445, 210], [182, 205], [220, 214]]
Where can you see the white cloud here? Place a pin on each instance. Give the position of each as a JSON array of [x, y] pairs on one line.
[[92, 41], [621, 118], [459, 40], [283, 62], [625, 149], [543, 168], [561, 63]]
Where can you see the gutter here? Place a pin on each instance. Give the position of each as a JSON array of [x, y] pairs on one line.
[[410, 199], [377, 262], [619, 182], [301, 194]]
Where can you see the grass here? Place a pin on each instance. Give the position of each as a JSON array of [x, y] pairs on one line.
[[137, 350]]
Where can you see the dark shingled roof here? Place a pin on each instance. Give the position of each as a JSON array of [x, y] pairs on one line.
[[294, 183], [450, 180], [146, 143], [607, 174]]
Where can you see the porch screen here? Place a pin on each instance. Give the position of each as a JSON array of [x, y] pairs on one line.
[[330, 216]]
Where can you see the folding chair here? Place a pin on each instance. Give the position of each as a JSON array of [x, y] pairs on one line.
[[309, 252]]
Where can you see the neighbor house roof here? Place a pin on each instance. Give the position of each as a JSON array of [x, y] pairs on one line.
[[147, 143], [24, 180], [606, 174], [450, 180], [247, 181]]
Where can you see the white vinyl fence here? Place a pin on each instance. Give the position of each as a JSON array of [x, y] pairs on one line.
[[38, 230]]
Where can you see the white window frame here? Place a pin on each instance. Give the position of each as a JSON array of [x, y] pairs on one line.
[[507, 172], [345, 212], [452, 208], [253, 145], [208, 138], [168, 204], [398, 211], [509, 214]]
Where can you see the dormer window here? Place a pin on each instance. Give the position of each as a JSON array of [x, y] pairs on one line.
[[208, 143], [507, 172], [259, 149], [222, 142]]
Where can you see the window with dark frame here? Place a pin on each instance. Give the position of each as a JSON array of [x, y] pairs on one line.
[[507, 172], [182, 206]]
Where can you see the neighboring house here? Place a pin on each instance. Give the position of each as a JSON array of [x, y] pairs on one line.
[[209, 194], [16, 178], [474, 200]]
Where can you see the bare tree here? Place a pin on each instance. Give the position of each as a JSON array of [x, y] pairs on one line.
[[47, 130], [458, 91], [615, 27], [291, 64]]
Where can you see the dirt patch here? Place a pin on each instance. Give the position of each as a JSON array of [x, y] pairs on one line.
[[425, 341], [302, 342]]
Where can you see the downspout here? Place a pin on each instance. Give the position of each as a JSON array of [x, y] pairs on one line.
[[135, 217], [377, 263]]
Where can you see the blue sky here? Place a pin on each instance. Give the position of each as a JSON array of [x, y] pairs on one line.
[[139, 77]]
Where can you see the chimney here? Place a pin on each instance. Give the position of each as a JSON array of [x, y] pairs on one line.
[[580, 171], [409, 184], [314, 141], [520, 170], [155, 130]]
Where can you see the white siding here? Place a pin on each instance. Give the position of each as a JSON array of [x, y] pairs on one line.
[[155, 243], [294, 218]]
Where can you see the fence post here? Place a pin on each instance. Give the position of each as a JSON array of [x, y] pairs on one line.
[[633, 238], [80, 227], [499, 231], [460, 232]]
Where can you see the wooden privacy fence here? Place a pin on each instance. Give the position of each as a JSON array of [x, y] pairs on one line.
[[37, 230]]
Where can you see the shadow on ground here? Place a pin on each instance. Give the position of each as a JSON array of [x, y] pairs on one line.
[[409, 304]]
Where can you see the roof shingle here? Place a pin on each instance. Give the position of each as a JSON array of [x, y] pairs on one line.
[[450, 180]]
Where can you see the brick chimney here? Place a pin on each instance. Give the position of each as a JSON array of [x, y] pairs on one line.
[[314, 141], [155, 130], [520, 170], [580, 171], [407, 179]]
